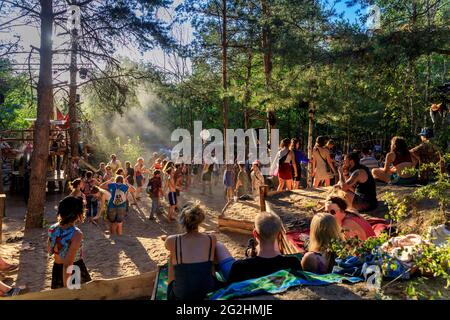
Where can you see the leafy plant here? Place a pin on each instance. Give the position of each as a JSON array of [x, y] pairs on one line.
[[397, 207]]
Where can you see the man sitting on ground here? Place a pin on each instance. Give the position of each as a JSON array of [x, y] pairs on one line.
[[427, 152], [367, 159], [268, 259], [358, 184]]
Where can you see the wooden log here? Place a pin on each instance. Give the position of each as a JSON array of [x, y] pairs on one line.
[[236, 230], [236, 224], [262, 197], [2, 212], [124, 288]]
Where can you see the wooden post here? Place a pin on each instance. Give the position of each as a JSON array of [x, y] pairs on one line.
[[2, 212], [262, 197]]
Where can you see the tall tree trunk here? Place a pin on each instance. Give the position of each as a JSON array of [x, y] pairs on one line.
[[311, 112], [224, 70], [73, 114], [247, 86], [267, 54], [40, 153]]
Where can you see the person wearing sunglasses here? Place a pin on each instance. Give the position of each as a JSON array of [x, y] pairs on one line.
[[351, 223]]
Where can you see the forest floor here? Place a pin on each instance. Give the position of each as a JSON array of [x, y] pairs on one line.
[[141, 248]]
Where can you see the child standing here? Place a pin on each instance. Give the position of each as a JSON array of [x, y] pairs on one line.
[[91, 202], [228, 182], [155, 190], [65, 242]]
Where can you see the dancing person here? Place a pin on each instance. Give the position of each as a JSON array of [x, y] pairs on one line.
[[139, 170], [300, 158], [358, 184], [114, 163], [65, 243], [256, 177], [283, 161], [91, 201], [103, 198], [207, 178], [155, 191], [351, 223], [400, 158], [228, 182], [243, 184], [75, 189], [323, 230], [191, 269], [101, 171], [170, 189], [117, 204], [268, 259], [109, 174], [129, 173], [322, 165]]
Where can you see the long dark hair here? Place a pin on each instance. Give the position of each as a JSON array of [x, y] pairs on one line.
[[294, 143], [321, 141], [70, 209], [399, 146]]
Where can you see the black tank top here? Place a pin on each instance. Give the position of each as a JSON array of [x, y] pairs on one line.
[[367, 189]]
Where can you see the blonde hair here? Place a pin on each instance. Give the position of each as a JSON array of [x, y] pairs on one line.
[[324, 228], [192, 215], [268, 225]]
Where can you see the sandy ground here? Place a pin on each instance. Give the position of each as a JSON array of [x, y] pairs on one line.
[[141, 248]]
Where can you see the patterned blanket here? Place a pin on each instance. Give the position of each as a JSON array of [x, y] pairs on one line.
[[275, 283]]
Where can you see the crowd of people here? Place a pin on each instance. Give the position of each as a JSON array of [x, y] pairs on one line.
[[108, 192]]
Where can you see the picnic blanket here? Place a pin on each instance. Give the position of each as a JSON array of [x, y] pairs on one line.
[[275, 283]]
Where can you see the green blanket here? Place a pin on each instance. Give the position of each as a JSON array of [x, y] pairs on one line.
[[275, 283]]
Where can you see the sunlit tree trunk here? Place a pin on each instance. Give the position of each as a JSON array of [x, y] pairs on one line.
[[224, 70], [40, 153], [73, 114]]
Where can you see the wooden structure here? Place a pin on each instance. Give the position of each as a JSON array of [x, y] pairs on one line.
[[247, 227], [124, 288]]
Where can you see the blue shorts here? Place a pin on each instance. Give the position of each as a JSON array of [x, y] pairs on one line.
[[173, 198], [225, 267], [140, 181]]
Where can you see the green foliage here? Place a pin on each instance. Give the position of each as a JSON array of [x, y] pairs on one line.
[[438, 190], [397, 207], [432, 261], [356, 247]]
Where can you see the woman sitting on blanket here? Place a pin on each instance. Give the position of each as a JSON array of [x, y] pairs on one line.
[[268, 228], [191, 258], [324, 229], [351, 223]]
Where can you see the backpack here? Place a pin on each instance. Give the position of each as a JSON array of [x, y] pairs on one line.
[[119, 197], [149, 187]]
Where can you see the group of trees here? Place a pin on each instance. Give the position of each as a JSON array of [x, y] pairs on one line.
[[296, 58], [252, 62], [104, 27]]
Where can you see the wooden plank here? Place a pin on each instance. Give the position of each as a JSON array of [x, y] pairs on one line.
[[262, 197], [2, 212], [237, 224], [125, 288], [236, 230], [155, 283]]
